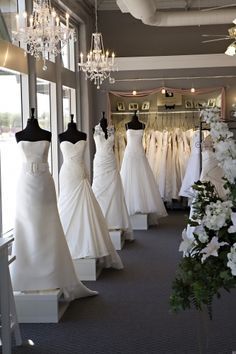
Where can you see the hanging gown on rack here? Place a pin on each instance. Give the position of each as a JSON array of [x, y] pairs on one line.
[[107, 184], [192, 172], [43, 260], [84, 225], [141, 191]]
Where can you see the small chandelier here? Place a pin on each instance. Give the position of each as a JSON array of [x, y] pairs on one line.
[[44, 36], [98, 65]]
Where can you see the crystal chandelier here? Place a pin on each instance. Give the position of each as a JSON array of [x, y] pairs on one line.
[[42, 34], [98, 65]]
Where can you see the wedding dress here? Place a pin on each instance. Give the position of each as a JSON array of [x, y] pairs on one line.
[[43, 260], [141, 191], [107, 184], [84, 225]]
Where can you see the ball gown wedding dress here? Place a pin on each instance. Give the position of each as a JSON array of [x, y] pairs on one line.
[[84, 225], [43, 260], [141, 191], [107, 184]]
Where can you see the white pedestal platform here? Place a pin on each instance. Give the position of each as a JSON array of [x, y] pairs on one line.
[[40, 307], [117, 238], [139, 221], [88, 268]]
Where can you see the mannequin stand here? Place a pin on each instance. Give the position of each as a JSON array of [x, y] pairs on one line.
[[117, 238], [88, 268], [139, 221], [41, 306]]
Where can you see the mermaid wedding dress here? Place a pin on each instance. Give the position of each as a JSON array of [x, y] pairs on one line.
[[84, 225], [43, 260], [107, 184]]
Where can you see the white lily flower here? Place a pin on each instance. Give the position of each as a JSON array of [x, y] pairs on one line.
[[232, 259], [232, 228], [187, 244], [212, 248]]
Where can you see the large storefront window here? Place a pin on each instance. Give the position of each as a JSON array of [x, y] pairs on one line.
[[69, 106], [43, 101], [10, 123], [67, 53], [9, 9]]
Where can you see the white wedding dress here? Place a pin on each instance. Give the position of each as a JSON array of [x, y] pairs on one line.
[[141, 191], [43, 260], [84, 225], [107, 184]]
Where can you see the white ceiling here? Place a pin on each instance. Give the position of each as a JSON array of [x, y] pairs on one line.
[[168, 4]]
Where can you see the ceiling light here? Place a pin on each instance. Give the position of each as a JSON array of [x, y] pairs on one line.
[[134, 93], [192, 89], [44, 36], [163, 91], [98, 65]]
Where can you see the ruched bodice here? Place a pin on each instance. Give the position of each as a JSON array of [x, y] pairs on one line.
[[73, 159], [103, 145]]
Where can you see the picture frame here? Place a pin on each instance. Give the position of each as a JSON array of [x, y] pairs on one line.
[[211, 102], [188, 104], [200, 104], [133, 106], [145, 106], [120, 106]]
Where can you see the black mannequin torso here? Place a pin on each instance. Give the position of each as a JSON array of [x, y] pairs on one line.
[[103, 125], [135, 123], [32, 131], [72, 134]]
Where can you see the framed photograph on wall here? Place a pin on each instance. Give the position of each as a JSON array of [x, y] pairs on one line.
[[120, 106], [188, 104], [200, 104], [133, 106], [211, 102], [145, 106]]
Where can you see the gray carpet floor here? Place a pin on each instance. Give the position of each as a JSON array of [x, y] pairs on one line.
[[131, 313]]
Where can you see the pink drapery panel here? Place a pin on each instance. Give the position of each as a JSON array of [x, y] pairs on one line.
[[177, 90]]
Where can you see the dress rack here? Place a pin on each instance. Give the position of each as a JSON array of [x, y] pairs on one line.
[[156, 112]]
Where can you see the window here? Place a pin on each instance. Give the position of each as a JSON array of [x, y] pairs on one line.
[[8, 11], [69, 106], [10, 123], [67, 53], [43, 102]]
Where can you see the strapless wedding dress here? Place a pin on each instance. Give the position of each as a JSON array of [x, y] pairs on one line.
[[82, 219], [43, 260]]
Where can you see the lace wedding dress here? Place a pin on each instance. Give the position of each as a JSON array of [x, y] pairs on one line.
[[84, 225], [107, 184], [43, 260]]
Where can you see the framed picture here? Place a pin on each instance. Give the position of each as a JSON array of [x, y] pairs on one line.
[[211, 102], [133, 106], [145, 106], [200, 104], [120, 106], [188, 104]]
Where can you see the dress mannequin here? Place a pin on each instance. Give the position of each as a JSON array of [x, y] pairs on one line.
[[83, 223], [32, 131], [43, 257], [72, 134], [103, 124], [135, 123]]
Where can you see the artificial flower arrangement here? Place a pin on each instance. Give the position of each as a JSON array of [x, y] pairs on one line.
[[209, 251]]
